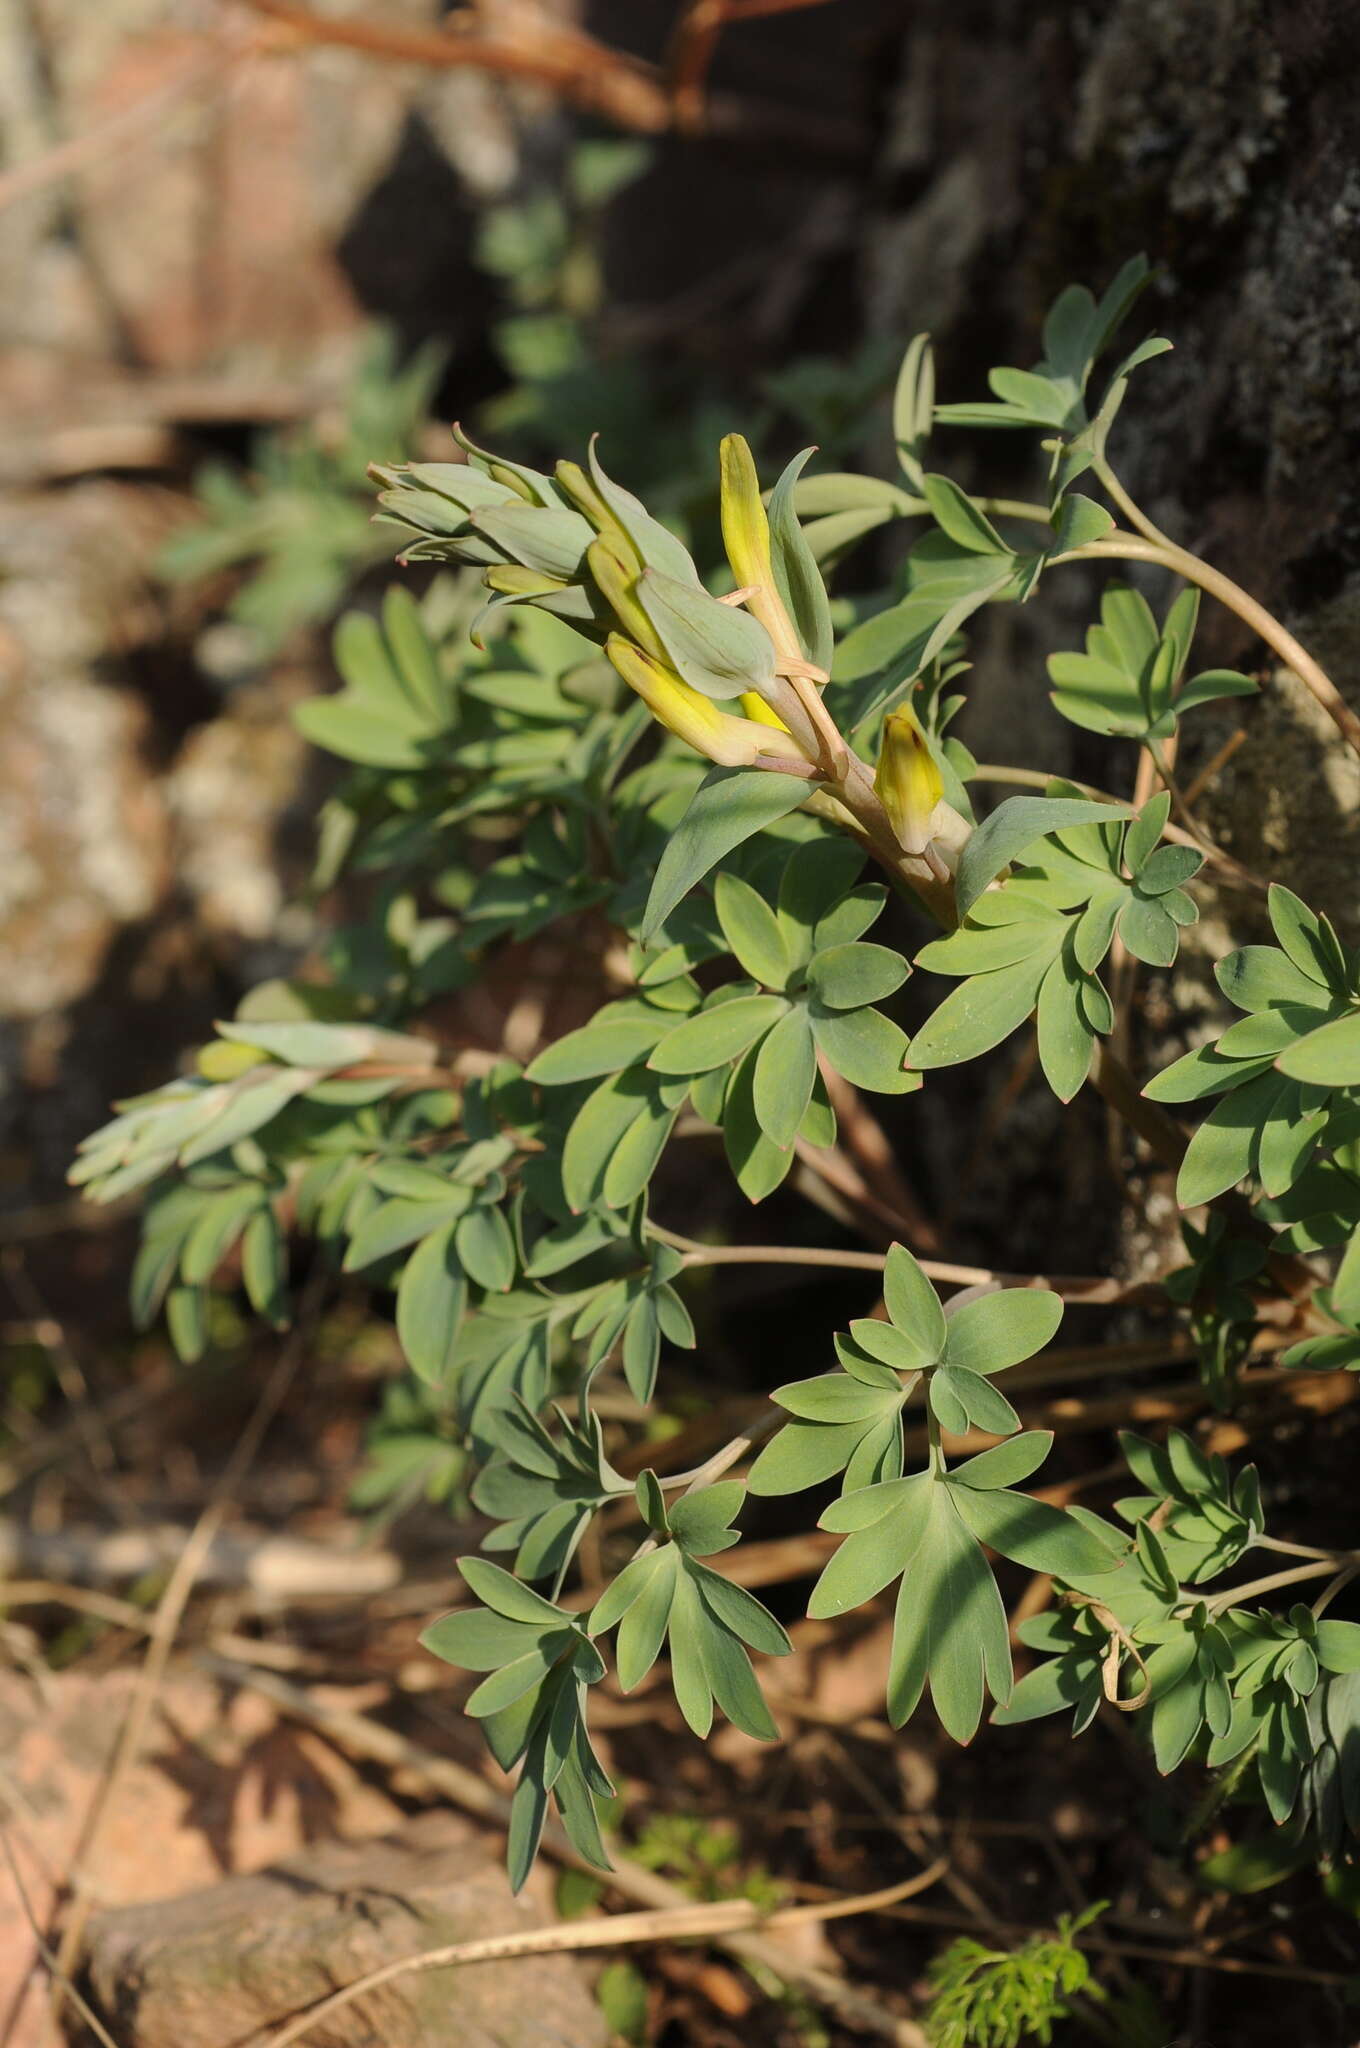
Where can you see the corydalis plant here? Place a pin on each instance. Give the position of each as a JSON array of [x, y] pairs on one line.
[[578, 731]]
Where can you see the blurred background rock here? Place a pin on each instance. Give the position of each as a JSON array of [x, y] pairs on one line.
[[706, 213]]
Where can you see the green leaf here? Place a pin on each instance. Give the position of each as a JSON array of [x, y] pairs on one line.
[[866, 1048], [955, 514], [250, 1105], [642, 1630], [816, 888], [1329, 1056], [716, 1035], [848, 977], [982, 1011], [221, 1220], [601, 1047], [1078, 521], [1264, 978], [486, 1248], [1166, 868], [955, 1391], [503, 1593], [797, 577], [1065, 1038], [885, 1525], [1007, 1463], [1345, 1287], [635, 1157], [1015, 825], [393, 1225], [752, 930], [1309, 941], [731, 805], [883, 1343], [743, 1614], [1148, 931], [702, 1522], [552, 543], [413, 653], [949, 1629], [804, 1454], [598, 1129], [995, 1331], [1031, 1533], [264, 1266], [528, 1813], [1211, 685], [476, 1639], [785, 1069], [757, 1162], [1222, 1151], [624, 1998], [1338, 1645], [914, 1306], [186, 1316], [837, 1397], [1202, 1072], [914, 407]]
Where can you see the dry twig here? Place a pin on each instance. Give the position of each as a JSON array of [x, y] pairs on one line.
[[674, 1923]]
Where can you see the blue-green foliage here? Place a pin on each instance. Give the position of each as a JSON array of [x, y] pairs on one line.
[[505, 782]]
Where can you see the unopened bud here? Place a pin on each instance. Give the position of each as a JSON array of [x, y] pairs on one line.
[[731, 742], [908, 783]]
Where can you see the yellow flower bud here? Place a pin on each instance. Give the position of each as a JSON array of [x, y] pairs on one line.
[[755, 707], [731, 742], [746, 536], [577, 486], [226, 1060], [614, 578], [907, 780]]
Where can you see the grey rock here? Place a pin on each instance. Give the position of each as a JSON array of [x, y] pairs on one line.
[[210, 1969]]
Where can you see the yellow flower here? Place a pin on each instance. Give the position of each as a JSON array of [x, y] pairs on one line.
[[614, 578], [731, 742], [907, 780], [746, 536], [755, 707]]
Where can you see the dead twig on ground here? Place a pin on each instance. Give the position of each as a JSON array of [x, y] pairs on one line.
[[45, 1951], [674, 1923]]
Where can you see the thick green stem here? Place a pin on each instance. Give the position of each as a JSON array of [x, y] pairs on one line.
[[1236, 1595]]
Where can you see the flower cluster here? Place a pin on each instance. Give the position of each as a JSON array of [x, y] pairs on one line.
[[738, 678]]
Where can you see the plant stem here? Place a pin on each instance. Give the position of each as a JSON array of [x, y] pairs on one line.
[[1071, 1286], [1236, 1595], [1293, 1549], [1015, 508], [1160, 1132], [732, 1452], [1329, 1592], [1132, 512]]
